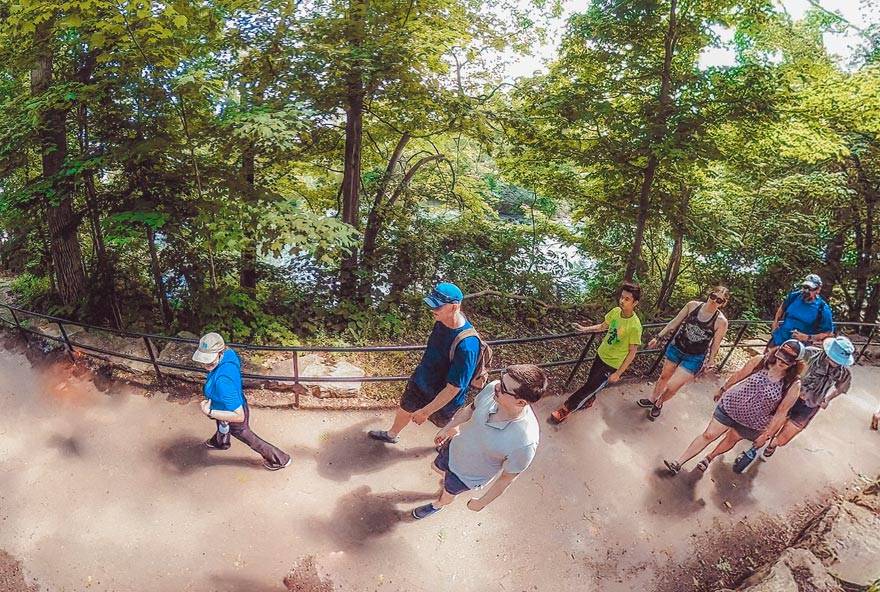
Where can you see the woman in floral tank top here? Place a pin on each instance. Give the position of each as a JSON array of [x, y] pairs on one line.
[[753, 404]]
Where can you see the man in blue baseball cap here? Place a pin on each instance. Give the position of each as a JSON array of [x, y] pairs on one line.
[[827, 376], [438, 387], [803, 315]]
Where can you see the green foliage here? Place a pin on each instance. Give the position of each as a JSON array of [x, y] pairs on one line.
[[30, 291]]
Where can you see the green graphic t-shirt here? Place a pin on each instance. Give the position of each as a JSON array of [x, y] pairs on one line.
[[621, 334]]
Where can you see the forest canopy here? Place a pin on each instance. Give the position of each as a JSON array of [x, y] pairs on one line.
[[286, 170]]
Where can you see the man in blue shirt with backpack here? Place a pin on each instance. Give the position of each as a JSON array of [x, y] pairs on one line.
[[803, 315], [454, 359]]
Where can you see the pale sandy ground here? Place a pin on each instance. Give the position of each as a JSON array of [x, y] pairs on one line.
[[113, 491]]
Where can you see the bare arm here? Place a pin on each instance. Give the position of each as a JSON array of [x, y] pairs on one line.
[[443, 397], [236, 416], [739, 375], [497, 488], [603, 326], [674, 323], [777, 317], [450, 430], [720, 332], [794, 391], [633, 349]]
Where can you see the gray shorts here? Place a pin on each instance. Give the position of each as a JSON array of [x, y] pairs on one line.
[[746, 432]]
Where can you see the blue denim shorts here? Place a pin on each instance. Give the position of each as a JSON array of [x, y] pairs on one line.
[[690, 362], [451, 483]]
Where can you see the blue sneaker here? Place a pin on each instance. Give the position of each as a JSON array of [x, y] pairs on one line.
[[743, 461], [424, 511]]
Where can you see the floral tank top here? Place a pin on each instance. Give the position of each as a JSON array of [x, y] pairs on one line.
[[753, 400]]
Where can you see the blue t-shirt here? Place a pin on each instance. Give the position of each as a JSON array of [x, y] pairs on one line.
[[434, 371], [223, 384], [801, 315]]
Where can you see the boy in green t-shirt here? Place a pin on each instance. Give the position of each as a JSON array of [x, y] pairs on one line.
[[615, 353]]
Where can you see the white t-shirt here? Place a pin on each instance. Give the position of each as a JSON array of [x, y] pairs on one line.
[[485, 447]]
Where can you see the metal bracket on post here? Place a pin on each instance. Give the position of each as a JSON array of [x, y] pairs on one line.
[[733, 347], [867, 343], [580, 361], [66, 342], [149, 344]]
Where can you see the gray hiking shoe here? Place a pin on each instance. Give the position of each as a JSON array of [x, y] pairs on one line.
[[383, 436]]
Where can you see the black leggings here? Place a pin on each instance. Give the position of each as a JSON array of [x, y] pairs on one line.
[[599, 373]]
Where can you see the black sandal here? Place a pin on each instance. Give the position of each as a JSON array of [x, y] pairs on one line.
[[673, 466], [654, 412], [703, 465]]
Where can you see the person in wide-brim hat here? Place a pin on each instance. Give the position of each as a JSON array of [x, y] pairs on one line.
[[828, 376]]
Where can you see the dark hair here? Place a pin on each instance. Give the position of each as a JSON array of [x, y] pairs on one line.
[[633, 288], [532, 381]]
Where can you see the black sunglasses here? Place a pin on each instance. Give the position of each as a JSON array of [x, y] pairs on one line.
[[501, 385], [717, 298]]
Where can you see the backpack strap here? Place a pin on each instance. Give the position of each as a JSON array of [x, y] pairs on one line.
[[471, 332], [817, 324]]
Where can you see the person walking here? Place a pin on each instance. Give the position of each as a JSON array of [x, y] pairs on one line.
[[803, 315], [495, 437], [827, 377], [752, 404], [439, 385], [698, 330], [226, 404], [616, 352]]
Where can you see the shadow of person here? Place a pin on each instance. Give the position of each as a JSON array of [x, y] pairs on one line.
[[624, 420], [187, 454], [362, 516], [351, 452], [232, 582], [736, 489], [70, 446], [674, 495]]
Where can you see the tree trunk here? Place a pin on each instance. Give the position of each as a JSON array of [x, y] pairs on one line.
[[657, 131], [354, 116], [831, 268], [161, 299], [672, 271], [61, 221]]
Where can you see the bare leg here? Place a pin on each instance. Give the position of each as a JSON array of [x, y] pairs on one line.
[[709, 435], [680, 378], [729, 441], [785, 435], [660, 386], [446, 498], [401, 420]]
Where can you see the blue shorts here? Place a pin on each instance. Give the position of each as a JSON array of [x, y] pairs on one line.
[[690, 362], [451, 483]]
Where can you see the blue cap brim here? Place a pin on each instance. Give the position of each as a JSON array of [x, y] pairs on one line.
[[432, 302]]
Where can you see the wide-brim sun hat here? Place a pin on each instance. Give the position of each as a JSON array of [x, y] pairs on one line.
[[840, 350], [211, 345]]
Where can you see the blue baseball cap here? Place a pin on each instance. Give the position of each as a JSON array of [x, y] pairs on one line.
[[840, 349], [443, 293]]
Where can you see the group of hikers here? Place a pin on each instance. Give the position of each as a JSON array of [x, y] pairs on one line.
[[770, 400]]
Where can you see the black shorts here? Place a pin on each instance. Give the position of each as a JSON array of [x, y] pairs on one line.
[[414, 399], [802, 414], [451, 483]]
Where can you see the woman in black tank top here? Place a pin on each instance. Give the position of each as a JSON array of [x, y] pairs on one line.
[[699, 328]]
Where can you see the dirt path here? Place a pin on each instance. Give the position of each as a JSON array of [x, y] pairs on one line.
[[112, 491]]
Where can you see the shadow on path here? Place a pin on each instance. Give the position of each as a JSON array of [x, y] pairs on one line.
[[674, 495], [349, 452], [188, 454], [362, 516], [733, 488], [68, 446], [233, 582]]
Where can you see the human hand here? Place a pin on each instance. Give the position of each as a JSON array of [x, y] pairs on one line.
[[475, 505], [444, 435], [205, 406], [824, 404], [707, 368], [614, 378], [800, 336], [653, 343], [420, 416], [761, 439], [774, 325]]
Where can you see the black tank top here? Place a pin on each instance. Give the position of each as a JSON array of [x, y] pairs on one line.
[[695, 336]]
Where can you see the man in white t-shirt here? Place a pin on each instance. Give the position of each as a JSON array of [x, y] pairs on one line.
[[495, 436]]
